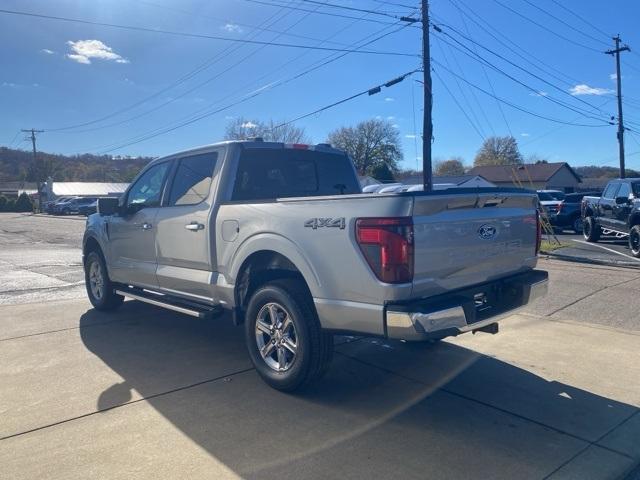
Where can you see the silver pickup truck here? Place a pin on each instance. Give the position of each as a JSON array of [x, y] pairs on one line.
[[281, 236]]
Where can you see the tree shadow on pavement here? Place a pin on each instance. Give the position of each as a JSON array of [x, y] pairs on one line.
[[384, 409]]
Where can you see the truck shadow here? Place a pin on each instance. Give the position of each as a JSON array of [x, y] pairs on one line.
[[381, 404]]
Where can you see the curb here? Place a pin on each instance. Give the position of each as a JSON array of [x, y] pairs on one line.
[[591, 261]]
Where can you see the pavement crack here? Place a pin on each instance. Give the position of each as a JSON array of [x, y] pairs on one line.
[[590, 295], [131, 402], [500, 409]]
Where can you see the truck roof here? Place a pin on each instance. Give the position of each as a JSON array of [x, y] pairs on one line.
[[253, 143]]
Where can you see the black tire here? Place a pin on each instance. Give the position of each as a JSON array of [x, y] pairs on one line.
[[634, 241], [313, 346], [577, 226], [591, 230], [103, 298]]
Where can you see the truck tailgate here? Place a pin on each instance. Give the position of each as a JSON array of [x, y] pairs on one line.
[[466, 239]]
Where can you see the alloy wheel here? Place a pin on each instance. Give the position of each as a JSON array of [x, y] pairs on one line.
[[276, 337]]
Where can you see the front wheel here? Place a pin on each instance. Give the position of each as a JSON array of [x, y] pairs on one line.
[[99, 288], [634, 241], [590, 230], [285, 342]]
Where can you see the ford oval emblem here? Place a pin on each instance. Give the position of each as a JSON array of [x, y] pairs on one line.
[[487, 232]]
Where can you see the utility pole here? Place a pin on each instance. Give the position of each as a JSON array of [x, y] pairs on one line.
[[616, 51], [36, 170], [427, 126]]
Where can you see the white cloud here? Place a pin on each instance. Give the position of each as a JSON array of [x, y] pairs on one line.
[[391, 117], [410, 135], [378, 117], [583, 89], [395, 125], [47, 51], [232, 28], [613, 76], [229, 117], [389, 99], [85, 50], [525, 134], [539, 94], [10, 85], [248, 124]]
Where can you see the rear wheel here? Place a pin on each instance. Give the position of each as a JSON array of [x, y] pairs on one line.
[[591, 230], [285, 342], [634, 241], [99, 288], [577, 225]]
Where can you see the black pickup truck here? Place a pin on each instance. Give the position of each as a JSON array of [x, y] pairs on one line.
[[616, 212]]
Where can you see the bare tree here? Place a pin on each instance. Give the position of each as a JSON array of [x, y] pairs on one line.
[[498, 151], [453, 166], [370, 144], [271, 131]]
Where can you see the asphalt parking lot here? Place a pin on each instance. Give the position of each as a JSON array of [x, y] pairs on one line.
[[608, 250], [148, 393]]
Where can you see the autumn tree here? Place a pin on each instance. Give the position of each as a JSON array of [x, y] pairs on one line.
[[498, 151], [369, 144], [271, 131], [451, 167]]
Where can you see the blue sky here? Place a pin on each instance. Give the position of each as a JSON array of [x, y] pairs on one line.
[[56, 74]]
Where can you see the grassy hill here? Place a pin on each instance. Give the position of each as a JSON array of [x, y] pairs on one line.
[[18, 165]]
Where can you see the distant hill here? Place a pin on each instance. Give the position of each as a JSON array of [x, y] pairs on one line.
[[17, 165], [604, 172]]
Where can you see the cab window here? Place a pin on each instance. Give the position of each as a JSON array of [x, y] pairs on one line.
[[610, 191], [625, 191], [147, 190], [192, 180]]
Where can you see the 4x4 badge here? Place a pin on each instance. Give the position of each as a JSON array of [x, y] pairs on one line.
[[316, 223]]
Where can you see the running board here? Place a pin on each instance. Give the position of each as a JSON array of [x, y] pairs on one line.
[[172, 303]]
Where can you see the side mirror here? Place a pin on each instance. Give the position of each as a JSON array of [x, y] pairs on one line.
[[622, 200], [108, 205]]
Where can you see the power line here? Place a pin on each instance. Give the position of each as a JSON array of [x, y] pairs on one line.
[[369, 91], [383, 2], [537, 77], [507, 42], [566, 24], [481, 59], [234, 22], [354, 9], [10, 144], [300, 9], [486, 75], [553, 32], [203, 113], [464, 112], [199, 85], [201, 35], [209, 62], [575, 14], [512, 105]]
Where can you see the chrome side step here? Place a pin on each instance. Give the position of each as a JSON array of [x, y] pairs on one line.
[[172, 303]]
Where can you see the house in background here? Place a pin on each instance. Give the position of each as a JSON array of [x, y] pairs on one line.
[[458, 181], [54, 190], [535, 176]]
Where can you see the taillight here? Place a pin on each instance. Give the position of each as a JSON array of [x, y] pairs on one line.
[[538, 232], [387, 245]]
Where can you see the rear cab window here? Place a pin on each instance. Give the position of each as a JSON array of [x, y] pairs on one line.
[[267, 173]]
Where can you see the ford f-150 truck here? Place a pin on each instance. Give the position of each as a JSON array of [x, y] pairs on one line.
[[281, 236], [616, 212]]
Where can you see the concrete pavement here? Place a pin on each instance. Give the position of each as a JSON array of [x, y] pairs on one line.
[[147, 393]]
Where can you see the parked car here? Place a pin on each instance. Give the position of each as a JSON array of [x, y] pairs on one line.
[[549, 202], [616, 212], [568, 214], [555, 194], [283, 237], [59, 204], [88, 208], [73, 206]]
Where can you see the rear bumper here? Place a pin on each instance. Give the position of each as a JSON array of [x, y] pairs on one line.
[[465, 310]]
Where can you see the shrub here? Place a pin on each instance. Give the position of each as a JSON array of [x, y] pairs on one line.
[[3, 203], [23, 203]]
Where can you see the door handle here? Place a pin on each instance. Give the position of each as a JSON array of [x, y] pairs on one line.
[[194, 226], [146, 226]]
